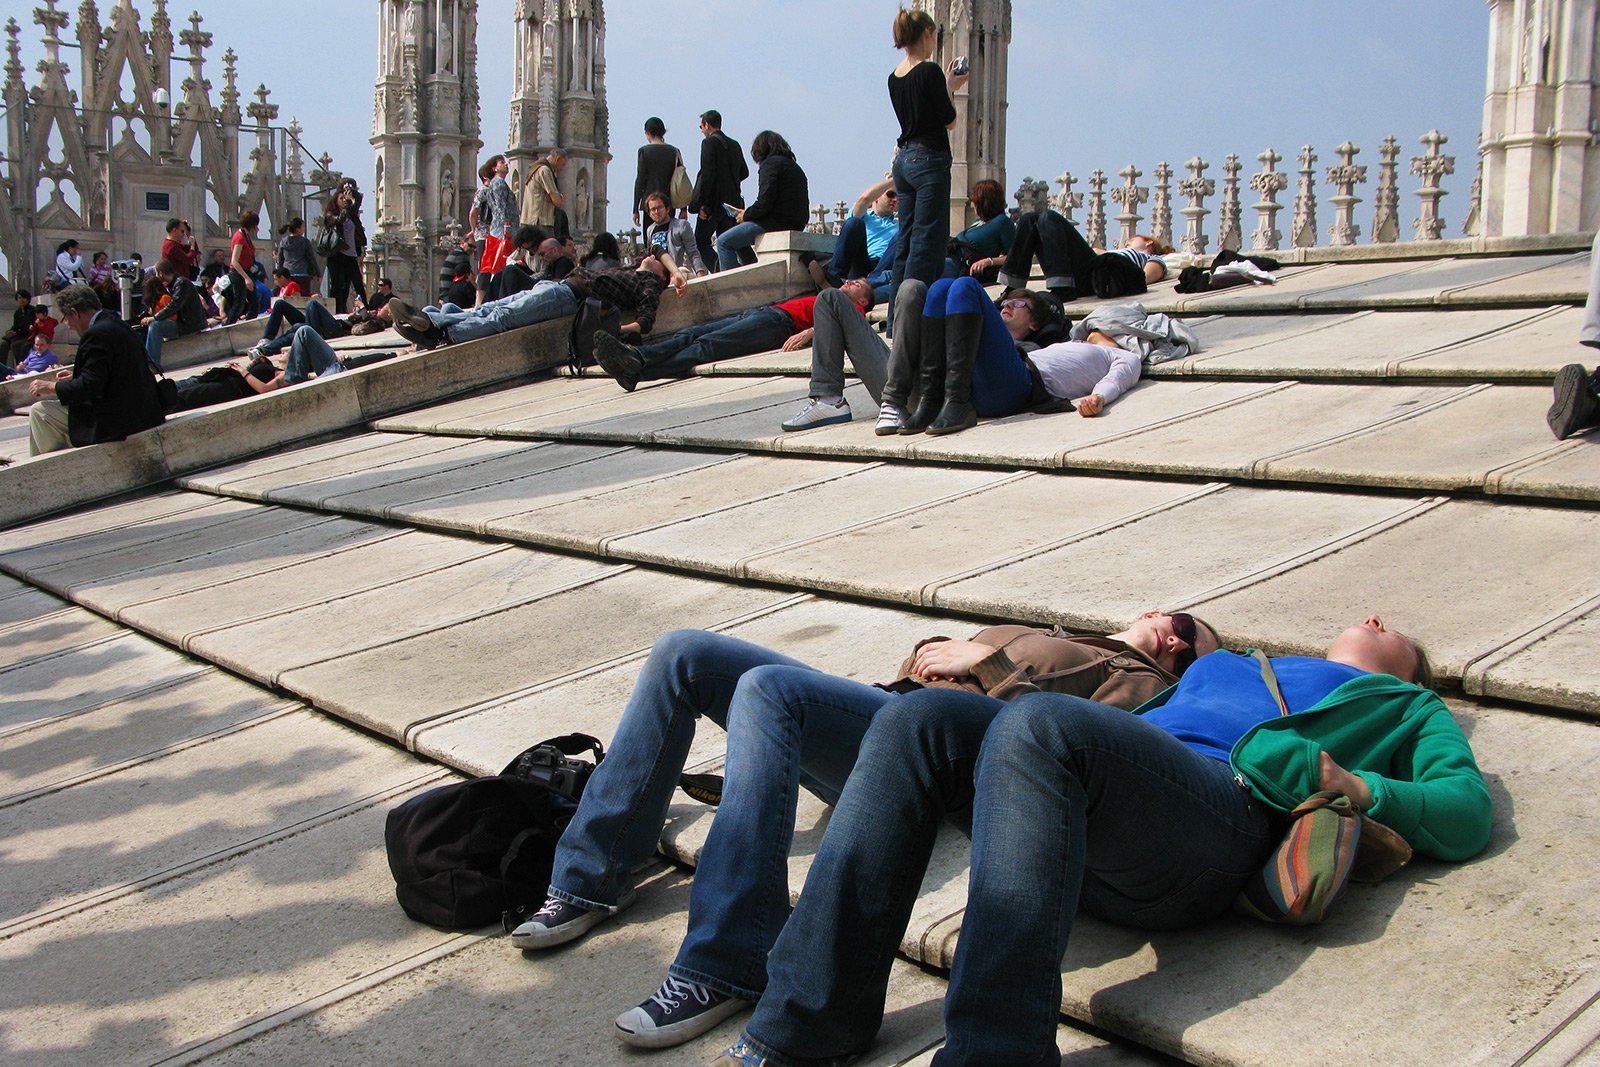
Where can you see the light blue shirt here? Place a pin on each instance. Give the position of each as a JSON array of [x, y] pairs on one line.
[[880, 232]]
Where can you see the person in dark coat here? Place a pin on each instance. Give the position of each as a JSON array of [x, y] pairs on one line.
[[782, 201], [722, 168], [107, 394]]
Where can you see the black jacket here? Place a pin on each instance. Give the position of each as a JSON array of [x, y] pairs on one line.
[[111, 393], [783, 202], [185, 307], [722, 168]]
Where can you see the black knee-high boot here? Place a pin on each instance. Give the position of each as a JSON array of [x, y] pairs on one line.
[[962, 333], [930, 373]]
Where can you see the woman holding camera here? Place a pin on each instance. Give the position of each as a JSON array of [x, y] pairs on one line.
[[922, 96]]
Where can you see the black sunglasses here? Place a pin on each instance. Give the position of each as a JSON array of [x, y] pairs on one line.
[[1183, 626]]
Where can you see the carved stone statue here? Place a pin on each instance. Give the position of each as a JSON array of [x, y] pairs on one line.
[[447, 18], [447, 196]]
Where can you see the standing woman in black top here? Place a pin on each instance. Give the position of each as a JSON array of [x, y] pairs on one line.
[[922, 97]]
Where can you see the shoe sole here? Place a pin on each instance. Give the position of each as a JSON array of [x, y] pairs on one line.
[[885, 431], [966, 424], [1570, 412], [831, 420], [609, 361], [678, 1033]]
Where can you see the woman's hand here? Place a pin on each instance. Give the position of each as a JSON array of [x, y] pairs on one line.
[[1089, 406], [950, 660], [1340, 780], [980, 266], [738, 216]]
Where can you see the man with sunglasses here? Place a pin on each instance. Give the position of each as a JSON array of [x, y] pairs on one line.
[[866, 241], [788, 725]]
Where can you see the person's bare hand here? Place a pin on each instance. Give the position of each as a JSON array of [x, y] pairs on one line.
[[1097, 338], [1340, 780], [39, 387], [798, 341], [62, 375], [949, 659], [1089, 406]]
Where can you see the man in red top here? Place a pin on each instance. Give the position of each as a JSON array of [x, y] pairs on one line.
[[787, 325], [181, 250], [287, 286]]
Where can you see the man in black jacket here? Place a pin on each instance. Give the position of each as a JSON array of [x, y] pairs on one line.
[[108, 392], [183, 315], [722, 168]]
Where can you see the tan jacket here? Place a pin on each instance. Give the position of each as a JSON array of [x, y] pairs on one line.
[[1026, 660], [536, 206]]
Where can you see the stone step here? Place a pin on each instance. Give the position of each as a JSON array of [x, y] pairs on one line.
[[1433, 436]]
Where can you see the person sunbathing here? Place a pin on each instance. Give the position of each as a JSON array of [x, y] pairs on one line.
[[788, 725], [1154, 820]]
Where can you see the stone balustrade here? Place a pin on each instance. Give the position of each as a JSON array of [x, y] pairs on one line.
[[1149, 208]]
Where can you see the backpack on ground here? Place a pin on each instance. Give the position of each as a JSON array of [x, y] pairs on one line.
[[594, 316], [466, 854]]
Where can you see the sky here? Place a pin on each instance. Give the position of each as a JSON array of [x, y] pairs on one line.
[[1093, 83]]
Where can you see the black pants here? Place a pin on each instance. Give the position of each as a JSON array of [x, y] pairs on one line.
[[239, 299], [1063, 254], [707, 230], [344, 272]]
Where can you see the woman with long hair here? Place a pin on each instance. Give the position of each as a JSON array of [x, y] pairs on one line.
[[781, 203]]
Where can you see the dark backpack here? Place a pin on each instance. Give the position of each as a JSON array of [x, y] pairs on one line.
[[466, 854], [594, 316]]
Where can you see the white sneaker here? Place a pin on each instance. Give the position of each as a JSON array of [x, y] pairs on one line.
[[892, 418], [818, 413]]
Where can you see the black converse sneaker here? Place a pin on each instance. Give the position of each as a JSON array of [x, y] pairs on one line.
[[677, 1012], [560, 921]]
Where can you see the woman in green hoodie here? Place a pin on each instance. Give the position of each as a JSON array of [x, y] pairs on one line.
[[1153, 820]]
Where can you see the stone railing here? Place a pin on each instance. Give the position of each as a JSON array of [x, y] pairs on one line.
[[1345, 178]]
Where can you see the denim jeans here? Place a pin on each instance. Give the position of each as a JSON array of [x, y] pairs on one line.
[[545, 301], [922, 180], [788, 725], [1064, 255], [736, 245], [316, 316], [309, 354], [1069, 802], [155, 335], [841, 330], [756, 330], [1001, 383]]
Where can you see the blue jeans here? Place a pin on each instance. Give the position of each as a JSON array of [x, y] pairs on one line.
[[1001, 383], [736, 245], [922, 180], [545, 301], [315, 315], [788, 725], [155, 335], [756, 330], [309, 354], [1069, 802]]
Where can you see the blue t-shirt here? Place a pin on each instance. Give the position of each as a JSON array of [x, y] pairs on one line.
[[880, 231], [1223, 695]]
